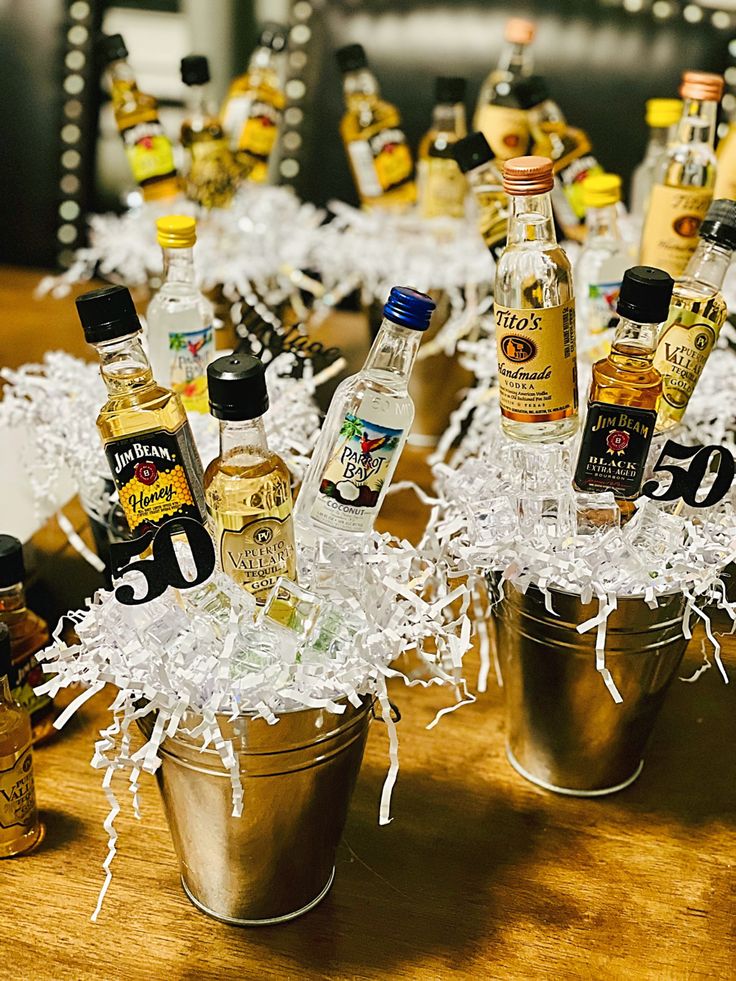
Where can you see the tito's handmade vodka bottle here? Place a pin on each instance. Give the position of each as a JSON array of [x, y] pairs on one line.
[[365, 429], [534, 311]]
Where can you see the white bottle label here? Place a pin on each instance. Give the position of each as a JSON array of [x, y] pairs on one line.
[[364, 168], [189, 355]]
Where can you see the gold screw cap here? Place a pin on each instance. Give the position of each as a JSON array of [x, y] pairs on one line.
[[176, 231]]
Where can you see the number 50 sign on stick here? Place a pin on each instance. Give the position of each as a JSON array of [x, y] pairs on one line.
[[687, 481]]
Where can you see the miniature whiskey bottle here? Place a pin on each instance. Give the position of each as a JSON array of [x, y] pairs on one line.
[[442, 186], [379, 156], [20, 828], [603, 258], [498, 115], [662, 116], [475, 159], [534, 312], [697, 313], [28, 635], [625, 391], [180, 319], [144, 427], [365, 429], [684, 180]]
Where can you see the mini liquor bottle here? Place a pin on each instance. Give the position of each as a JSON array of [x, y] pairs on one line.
[[147, 146], [475, 159], [251, 114], [211, 175], [625, 391], [20, 828], [365, 429], [144, 428], [180, 319], [442, 187], [247, 487], [534, 312], [662, 117], [28, 635], [498, 115], [603, 258], [697, 313], [726, 173], [684, 179], [379, 156]]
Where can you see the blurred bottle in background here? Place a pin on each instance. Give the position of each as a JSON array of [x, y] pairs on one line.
[[379, 156], [442, 187], [498, 114], [662, 117], [726, 174], [475, 159]]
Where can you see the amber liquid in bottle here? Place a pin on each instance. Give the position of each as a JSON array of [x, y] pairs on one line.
[[20, 829], [28, 635]]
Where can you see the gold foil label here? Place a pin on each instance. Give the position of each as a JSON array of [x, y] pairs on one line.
[[682, 352], [671, 227], [258, 553], [17, 793], [505, 128], [537, 367]]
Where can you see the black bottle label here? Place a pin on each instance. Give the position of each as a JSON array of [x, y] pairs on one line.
[[614, 448]]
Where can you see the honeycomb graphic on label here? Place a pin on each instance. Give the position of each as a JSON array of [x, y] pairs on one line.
[[152, 495]]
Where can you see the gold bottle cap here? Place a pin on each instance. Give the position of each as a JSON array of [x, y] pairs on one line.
[[176, 231], [701, 85], [663, 112], [601, 190], [520, 31], [528, 175]]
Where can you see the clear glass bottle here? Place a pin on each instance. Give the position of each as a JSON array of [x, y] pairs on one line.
[[603, 258], [625, 391], [475, 159], [247, 487], [684, 179], [534, 310], [726, 174], [662, 117], [211, 175], [365, 429], [253, 107], [697, 313], [379, 156], [144, 428], [442, 187], [148, 148], [28, 635], [498, 115], [181, 341], [20, 828]]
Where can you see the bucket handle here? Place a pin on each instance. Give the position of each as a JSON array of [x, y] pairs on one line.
[[395, 714]]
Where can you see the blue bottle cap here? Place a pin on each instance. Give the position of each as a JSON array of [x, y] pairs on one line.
[[409, 308]]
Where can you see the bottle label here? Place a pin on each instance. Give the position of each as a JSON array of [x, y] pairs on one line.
[[443, 188], [572, 177], [257, 553], [17, 793], [684, 347], [259, 131], [235, 113], [493, 216], [537, 366], [149, 152], [190, 352], [381, 163], [364, 170], [671, 226], [158, 476], [614, 448], [505, 128], [602, 299], [351, 486]]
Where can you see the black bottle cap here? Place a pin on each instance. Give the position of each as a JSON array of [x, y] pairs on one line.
[[449, 89], [6, 656], [531, 91], [112, 48], [107, 313], [472, 151], [351, 58], [195, 70], [719, 224], [273, 36], [12, 568], [645, 295], [237, 387]]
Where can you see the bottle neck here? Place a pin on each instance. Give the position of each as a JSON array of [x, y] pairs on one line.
[[516, 59], [359, 86], [635, 340], [124, 365], [262, 59], [709, 263], [450, 118], [530, 219], [121, 72], [394, 351], [244, 436], [196, 101], [602, 223], [179, 266], [659, 137], [698, 122]]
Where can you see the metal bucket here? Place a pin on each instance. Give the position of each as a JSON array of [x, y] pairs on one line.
[[564, 731], [277, 860]]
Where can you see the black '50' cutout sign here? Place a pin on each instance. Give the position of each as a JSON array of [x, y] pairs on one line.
[[687, 481]]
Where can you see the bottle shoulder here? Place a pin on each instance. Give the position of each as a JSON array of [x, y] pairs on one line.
[[540, 276]]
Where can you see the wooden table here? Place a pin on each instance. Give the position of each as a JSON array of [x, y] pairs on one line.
[[480, 875]]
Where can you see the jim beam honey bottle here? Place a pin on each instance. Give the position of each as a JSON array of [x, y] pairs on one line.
[[534, 312], [144, 427]]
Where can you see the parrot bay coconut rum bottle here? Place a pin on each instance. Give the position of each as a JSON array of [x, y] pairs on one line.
[[144, 427], [534, 313], [685, 178], [365, 429]]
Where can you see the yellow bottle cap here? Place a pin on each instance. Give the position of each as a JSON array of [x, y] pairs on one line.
[[663, 112], [176, 231], [601, 190]]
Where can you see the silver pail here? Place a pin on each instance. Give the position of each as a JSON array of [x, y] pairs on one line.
[[564, 731], [277, 860]]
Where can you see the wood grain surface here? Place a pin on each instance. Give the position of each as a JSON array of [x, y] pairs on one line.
[[480, 874]]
